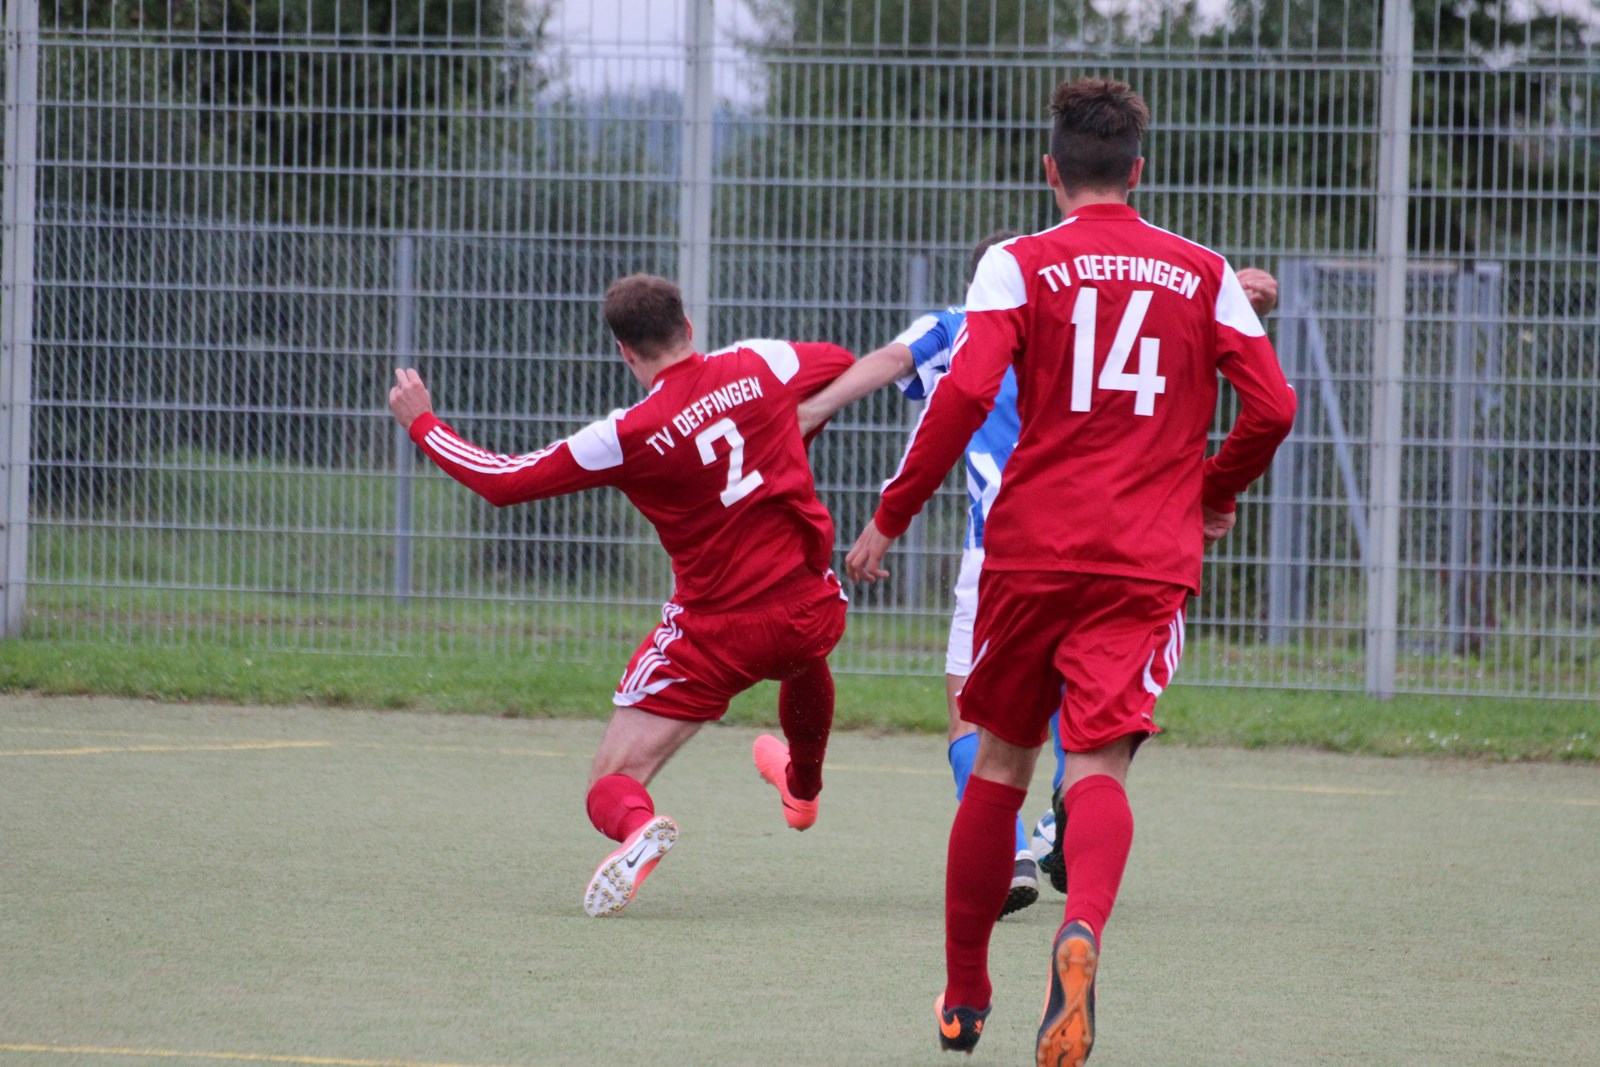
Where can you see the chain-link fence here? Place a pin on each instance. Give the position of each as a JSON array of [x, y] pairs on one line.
[[225, 226]]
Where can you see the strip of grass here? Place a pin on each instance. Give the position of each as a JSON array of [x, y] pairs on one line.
[[1473, 727]]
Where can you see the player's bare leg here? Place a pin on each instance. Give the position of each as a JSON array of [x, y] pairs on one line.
[[794, 766], [636, 745]]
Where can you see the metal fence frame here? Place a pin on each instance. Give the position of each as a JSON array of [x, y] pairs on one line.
[[1375, 496]]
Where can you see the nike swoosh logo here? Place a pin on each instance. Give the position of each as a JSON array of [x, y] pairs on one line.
[[951, 1029], [638, 854]]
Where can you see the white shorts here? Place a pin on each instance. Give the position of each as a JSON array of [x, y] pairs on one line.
[[958, 653]]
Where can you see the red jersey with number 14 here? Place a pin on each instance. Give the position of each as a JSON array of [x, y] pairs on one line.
[[1117, 330], [712, 457]]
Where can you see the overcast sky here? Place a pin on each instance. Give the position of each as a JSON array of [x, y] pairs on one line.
[[629, 44]]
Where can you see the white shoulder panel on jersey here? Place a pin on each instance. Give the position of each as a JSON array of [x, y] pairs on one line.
[[997, 285], [916, 331], [1233, 306], [596, 446], [780, 355]]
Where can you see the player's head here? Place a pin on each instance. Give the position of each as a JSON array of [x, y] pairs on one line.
[[984, 245], [645, 313], [1094, 141]]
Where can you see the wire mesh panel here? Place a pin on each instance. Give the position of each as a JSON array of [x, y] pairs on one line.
[[247, 215]]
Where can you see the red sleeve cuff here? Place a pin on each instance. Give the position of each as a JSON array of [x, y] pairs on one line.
[[1221, 502], [423, 425], [890, 524]]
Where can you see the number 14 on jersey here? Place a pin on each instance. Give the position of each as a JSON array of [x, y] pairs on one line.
[[1145, 383]]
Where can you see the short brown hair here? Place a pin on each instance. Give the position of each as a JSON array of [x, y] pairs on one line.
[[1095, 138], [984, 245], [645, 312]]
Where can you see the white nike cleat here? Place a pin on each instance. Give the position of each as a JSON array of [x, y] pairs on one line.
[[620, 874]]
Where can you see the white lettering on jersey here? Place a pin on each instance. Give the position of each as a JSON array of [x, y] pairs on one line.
[[595, 447], [1137, 269], [740, 484], [661, 440], [739, 391], [1145, 384], [1051, 271]]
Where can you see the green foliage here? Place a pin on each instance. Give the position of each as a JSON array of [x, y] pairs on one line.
[[291, 112], [948, 123]]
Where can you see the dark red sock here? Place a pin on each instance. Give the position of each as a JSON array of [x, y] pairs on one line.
[[805, 711], [976, 880], [1099, 836], [619, 805]]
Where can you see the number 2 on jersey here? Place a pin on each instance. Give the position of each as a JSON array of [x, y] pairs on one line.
[[740, 484], [1145, 384]]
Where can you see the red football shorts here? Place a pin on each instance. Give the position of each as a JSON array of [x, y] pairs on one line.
[[693, 664], [1096, 649]]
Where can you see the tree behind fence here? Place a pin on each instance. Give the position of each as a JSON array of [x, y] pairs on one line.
[[241, 228]]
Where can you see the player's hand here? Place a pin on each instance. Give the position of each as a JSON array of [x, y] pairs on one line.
[[409, 398], [1216, 524], [1261, 288], [864, 561]]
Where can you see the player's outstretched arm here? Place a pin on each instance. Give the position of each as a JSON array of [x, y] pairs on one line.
[[870, 373], [587, 459]]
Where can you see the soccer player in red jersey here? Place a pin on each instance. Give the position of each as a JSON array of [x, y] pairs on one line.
[[1117, 331], [713, 457]]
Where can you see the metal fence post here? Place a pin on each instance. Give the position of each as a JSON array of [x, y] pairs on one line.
[[405, 347], [1382, 563], [1287, 552], [914, 546], [16, 301], [694, 167]]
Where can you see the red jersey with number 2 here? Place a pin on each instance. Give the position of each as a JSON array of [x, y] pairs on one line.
[[712, 457], [1117, 330]]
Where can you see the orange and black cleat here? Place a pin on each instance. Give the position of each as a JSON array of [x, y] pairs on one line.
[[772, 763], [1066, 1033], [959, 1028]]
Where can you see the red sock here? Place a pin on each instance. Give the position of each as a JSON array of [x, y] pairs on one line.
[[805, 711], [1099, 836], [619, 805], [977, 878]]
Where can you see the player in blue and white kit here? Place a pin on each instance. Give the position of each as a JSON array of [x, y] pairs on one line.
[[914, 361]]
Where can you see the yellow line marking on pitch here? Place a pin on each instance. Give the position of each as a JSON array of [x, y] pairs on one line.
[[232, 746], [235, 1057]]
